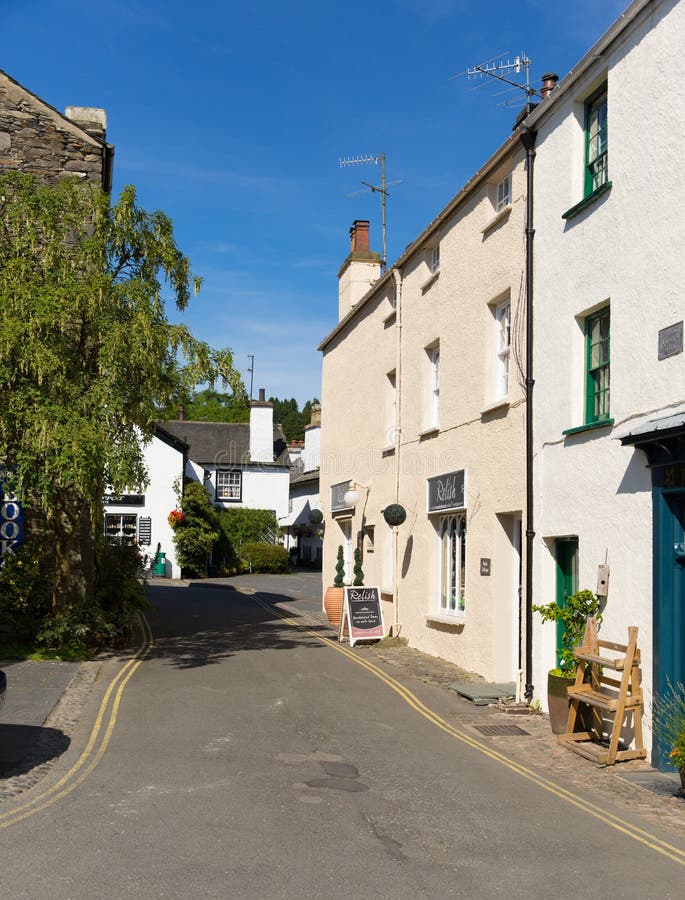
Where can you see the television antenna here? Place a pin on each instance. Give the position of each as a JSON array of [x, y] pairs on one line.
[[382, 189], [250, 369], [501, 70]]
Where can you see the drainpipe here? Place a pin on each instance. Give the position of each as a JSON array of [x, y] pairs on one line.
[[528, 137], [397, 275]]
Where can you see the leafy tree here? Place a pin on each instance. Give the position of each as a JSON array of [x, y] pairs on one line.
[[210, 405], [291, 418], [87, 356]]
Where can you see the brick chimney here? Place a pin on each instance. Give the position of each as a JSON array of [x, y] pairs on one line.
[[549, 82], [359, 271], [261, 430]]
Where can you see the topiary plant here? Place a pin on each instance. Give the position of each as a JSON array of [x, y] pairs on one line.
[[358, 571], [339, 580]]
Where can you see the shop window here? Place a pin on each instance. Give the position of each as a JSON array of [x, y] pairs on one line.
[[121, 527], [453, 565]]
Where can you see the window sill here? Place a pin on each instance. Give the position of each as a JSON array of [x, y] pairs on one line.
[[589, 426], [440, 619], [430, 281], [429, 432], [586, 202], [493, 407], [496, 219]]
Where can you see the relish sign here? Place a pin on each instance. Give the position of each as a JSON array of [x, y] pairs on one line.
[[446, 492], [362, 614]]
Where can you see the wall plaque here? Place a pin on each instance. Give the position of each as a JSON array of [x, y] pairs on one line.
[[671, 341]]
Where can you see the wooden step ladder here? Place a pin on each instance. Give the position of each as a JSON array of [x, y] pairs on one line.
[[607, 697]]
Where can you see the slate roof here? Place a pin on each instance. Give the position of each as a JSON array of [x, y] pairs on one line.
[[223, 443]]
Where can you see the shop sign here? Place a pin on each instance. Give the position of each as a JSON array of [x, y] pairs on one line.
[[11, 525], [338, 492], [446, 492], [124, 499]]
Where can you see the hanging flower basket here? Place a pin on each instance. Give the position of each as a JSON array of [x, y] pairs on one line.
[[315, 516], [176, 518]]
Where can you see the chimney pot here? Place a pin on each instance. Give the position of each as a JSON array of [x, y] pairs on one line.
[[181, 414], [262, 395], [549, 82], [359, 235]]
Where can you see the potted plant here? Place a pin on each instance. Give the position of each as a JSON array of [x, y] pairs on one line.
[[573, 615], [333, 599], [668, 717], [358, 571]]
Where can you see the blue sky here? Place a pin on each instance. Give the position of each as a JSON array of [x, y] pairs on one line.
[[232, 116]]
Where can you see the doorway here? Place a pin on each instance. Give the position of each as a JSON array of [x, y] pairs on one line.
[[566, 554], [669, 597]]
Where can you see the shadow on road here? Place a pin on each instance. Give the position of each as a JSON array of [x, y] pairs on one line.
[[23, 747], [195, 633]]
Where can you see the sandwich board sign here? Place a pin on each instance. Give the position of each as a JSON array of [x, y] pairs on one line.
[[362, 615]]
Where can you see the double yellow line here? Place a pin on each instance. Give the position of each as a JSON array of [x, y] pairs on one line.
[[98, 741], [632, 831]]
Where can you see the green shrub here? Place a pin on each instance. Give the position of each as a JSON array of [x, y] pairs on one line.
[[25, 598], [242, 526], [197, 535], [271, 559]]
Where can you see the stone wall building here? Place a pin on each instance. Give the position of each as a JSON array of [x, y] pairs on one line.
[[37, 139]]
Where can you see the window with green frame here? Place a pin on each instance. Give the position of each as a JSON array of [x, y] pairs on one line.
[[597, 366], [596, 145]]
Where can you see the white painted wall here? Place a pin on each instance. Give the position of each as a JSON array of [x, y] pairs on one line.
[[165, 469], [627, 250], [481, 261]]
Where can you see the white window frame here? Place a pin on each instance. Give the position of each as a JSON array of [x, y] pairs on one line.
[[434, 259], [122, 527], [226, 493], [503, 349], [391, 409], [503, 194], [452, 595], [433, 398]]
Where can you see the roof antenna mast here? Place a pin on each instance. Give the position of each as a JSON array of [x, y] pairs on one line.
[[499, 71], [373, 159]]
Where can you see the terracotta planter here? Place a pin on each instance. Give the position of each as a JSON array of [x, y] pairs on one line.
[[332, 603]]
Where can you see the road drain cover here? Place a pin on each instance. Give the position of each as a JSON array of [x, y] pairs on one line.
[[500, 730]]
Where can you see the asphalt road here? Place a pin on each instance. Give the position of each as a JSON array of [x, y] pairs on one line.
[[248, 759]]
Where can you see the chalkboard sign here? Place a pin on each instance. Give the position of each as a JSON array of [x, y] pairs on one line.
[[362, 614]]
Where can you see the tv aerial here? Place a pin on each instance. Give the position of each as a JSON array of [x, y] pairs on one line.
[[382, 189], [500, 70]]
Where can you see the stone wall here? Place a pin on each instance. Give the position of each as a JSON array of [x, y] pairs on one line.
[[36, 139]]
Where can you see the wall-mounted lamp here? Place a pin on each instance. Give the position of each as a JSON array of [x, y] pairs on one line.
[[351, 497]]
